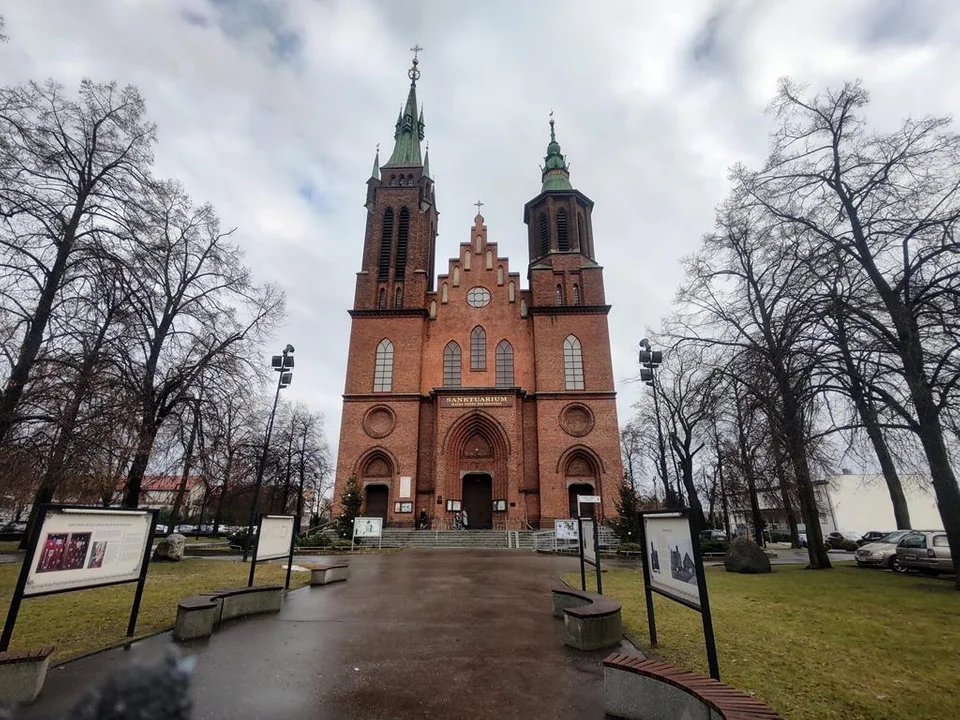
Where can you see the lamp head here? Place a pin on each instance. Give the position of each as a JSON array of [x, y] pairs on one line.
[[288, 349]]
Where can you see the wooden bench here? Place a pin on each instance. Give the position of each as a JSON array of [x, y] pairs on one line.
[[638, 689], [590, 621], [198, 616], [326, 574], [22, 674]]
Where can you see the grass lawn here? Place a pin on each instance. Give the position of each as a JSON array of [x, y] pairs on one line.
[[844, 644], [86, 620]]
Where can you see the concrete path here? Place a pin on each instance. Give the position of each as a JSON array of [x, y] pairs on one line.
[[429, 633]]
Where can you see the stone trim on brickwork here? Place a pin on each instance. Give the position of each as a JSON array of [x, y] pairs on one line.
[[570, 310], [404, 312]]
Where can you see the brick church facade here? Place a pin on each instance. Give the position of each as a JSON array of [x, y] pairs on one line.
[[468, 390]]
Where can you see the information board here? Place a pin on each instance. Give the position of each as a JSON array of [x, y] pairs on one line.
[[275, 536], [367, 527], [589, 542], [670, 557], [566, 529], [82, 548]]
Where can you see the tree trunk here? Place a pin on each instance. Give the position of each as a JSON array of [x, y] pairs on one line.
[[747, 463], [796, 449], [36, 329], [187, 463], [145, 439], [785, 498], [868, 416], [218, 516]]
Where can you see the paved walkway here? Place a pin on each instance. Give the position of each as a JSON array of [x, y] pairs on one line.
[[418, 634]]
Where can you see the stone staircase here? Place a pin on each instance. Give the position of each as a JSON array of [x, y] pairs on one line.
[[481, 539]]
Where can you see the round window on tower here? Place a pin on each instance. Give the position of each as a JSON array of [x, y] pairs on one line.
[[478, 297]]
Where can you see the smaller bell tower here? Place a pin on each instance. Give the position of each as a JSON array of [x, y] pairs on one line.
[[563, 268]]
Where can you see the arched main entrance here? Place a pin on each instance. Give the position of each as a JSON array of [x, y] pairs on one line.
[[478, 500], [580, 489], [477, 451]]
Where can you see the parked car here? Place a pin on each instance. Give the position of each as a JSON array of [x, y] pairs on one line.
[[836, 539], [713, 535], [925, 551], [873, 536], [882, 553]]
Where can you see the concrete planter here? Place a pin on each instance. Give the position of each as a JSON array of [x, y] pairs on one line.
[[22, 675]]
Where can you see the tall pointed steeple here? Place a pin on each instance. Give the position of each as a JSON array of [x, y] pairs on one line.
[[426, 159], [409, 130], [556, 174]]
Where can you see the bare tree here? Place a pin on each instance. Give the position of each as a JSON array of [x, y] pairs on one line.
[[194, 307], [67, 169], [888, 205]]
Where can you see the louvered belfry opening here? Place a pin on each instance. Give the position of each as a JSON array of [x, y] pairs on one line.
[[563, 237], [544, 235], [386, 239], [403, 230]]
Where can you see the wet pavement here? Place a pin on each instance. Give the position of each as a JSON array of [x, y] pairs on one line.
[[425, 633]]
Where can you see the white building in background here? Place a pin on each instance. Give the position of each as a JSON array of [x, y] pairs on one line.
[[862, 502], [857, 503]]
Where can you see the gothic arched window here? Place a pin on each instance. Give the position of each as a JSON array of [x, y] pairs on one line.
[[456, 277], [444, 293], [383, 368], [382, 300], [403, 230], [386, 248], [478, 349], [563, 237], [398, 299], [500, 275], [559, 294], [504, 364], [544, 235], [576, 294], [489, 259], [451, 365], [512, 292], [572, 363]]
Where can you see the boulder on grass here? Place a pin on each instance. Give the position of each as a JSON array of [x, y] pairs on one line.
[[745, 556], [171, 548]]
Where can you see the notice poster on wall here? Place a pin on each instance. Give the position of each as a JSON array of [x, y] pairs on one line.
[[566, 529], [670, 557], [79, 548], [367, 527], [589, 547], [275, 536]]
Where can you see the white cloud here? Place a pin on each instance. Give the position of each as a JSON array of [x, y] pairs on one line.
[[271, 111]]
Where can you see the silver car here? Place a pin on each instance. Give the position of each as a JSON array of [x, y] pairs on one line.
[[926, 551], [882, 553]]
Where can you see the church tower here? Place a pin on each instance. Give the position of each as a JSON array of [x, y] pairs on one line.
[[578, 432], [400, 241]]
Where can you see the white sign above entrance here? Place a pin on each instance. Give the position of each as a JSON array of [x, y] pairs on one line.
[[589, 499]]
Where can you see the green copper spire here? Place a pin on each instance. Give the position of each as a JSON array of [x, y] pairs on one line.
[[426, 159], [556, 174], [375, 173], [409, 130]]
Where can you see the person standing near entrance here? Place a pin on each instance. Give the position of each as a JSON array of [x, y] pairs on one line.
[[424, 522], [464, 519]]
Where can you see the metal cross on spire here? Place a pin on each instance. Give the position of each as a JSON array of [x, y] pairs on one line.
[[479, 205], [413, 73]]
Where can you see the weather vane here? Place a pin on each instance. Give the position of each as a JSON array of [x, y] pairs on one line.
[[414, 73]]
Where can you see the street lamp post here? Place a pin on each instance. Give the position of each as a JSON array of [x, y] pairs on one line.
[[650, 360], [283, 364]]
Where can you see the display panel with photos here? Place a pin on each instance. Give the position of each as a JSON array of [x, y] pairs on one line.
[[274, 537], [85, 547], [670, 557], [566, 529]]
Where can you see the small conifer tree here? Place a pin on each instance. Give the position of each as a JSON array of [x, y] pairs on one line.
[[351, 502]]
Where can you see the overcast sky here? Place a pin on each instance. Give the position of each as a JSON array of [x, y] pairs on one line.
[[272, 112]]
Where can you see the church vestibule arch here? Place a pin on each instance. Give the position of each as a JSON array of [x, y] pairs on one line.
[[477, 448], [376, 470], [581, 469]]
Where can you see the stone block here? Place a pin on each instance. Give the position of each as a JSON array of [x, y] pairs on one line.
[[22, 675], [745, 556]]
